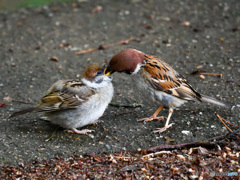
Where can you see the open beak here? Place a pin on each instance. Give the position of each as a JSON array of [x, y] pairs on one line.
[[107, 71]]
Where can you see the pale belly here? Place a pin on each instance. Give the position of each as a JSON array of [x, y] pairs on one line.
[[88, 112], [156, 96]]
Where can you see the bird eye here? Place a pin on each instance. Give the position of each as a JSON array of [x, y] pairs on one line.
[[99, 72]]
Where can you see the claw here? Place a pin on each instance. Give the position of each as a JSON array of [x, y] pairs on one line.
[[160, 130], [151, 118], [84, 131], [154, 116]]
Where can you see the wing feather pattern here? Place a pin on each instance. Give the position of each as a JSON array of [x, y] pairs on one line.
[[164, 78], [65, 95]]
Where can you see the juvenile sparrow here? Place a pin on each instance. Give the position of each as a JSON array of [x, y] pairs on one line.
[[158, 80], [73, 104]]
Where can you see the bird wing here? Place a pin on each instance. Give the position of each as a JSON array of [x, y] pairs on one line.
[[65, 95], [164, 78]]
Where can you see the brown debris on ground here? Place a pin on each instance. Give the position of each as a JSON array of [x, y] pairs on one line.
[[101, 47], [197, 162]]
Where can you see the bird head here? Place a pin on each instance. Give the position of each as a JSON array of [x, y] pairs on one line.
[[128, 61], [94, 76]]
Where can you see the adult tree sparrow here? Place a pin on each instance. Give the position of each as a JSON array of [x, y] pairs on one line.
[[159, 80], [73, 104]]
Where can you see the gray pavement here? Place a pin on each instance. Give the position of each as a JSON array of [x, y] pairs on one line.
[[185, 34]]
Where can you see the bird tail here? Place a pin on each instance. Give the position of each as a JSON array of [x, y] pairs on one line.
[[213, 101], [24, 111]]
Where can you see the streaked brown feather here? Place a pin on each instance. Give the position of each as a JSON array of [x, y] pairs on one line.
[[72, 94], [164, 78]]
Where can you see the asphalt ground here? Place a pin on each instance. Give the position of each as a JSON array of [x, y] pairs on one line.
[[38, 46]]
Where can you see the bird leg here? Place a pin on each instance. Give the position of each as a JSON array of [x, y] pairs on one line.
[[84, 131], [154, 116], [95, 123], [167, 125]]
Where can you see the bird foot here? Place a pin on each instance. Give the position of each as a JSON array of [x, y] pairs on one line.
[[74, 130], [151, 118], [160, 130]]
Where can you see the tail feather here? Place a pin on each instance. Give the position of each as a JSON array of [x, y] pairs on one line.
[[213, 101], [24, 111]]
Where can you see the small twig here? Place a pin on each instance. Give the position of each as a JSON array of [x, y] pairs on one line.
[[164, 147], [52, 135], [205, 73], [134, 105], [122, 113], [212, 74], [230, 123], [222, 120], [106, 46], [86, 51], [23, 102], [210, 143]]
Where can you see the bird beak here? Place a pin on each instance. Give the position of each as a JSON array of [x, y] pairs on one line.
[[107, 71]]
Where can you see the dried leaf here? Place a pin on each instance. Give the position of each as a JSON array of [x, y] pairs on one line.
[[186, 23], [8, 99], [2, 104], [101, 47], [200, 67], [169, 139], [55, 9], [97, 9], [130, 168], [64, 45], [97, 159], [202, 76], [54, 58], [203, 151]]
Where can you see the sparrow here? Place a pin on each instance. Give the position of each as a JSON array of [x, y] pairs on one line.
[[159, 81], [73, 104]]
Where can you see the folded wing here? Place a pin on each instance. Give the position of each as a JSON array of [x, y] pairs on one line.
[[65, 95], [164, 78]]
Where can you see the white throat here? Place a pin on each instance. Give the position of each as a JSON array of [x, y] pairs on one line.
[[137, 69], [95, 85]]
